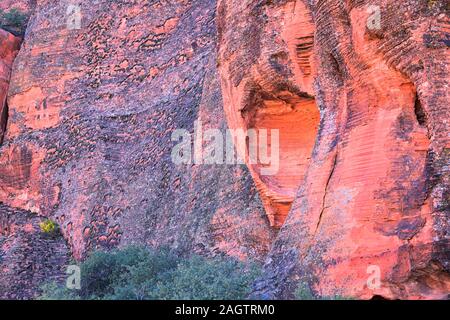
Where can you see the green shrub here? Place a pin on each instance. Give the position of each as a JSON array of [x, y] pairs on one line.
[[304, 292], [136, 273], [199, 278], [98, 275], [49, 227], [54, 291], [106, 274], [14, 21]]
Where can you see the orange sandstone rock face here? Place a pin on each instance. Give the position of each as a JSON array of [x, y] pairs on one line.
[[9, 47], [28, 258], [20, 178], [372, 196]]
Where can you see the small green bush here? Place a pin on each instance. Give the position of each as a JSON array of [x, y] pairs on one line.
[[136, 273], [123, 274], [49, 227], [54, 291], [14, 21], [304, 292], [198, 278]]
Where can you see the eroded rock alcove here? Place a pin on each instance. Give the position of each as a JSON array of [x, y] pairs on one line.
[[297, 119], [276, 93]]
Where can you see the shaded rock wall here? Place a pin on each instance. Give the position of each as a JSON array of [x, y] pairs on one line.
[[91, 114], [28, 257], [375, 192]]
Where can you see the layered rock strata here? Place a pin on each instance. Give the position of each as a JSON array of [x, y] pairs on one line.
[[374, 195]]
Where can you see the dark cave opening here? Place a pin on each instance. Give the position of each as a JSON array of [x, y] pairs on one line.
[[421, 116], [3, 122]]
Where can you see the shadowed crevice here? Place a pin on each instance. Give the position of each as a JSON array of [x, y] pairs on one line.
[[3, 122], [421, 116]]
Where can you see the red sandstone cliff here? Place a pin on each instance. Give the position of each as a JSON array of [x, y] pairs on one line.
[[9, 46], [364, 141], [374, 191]]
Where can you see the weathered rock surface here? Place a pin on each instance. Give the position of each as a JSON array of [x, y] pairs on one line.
[[23, 5], [91, 114], [364, 142], [376, 190], [9, 47], [28, 257]]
